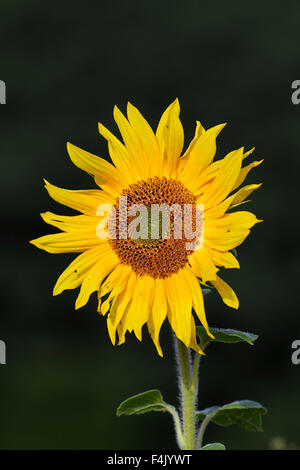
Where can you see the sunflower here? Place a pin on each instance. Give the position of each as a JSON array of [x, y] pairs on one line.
[[143, 280]]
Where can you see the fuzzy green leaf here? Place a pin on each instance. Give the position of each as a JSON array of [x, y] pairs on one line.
[[225, 336], [214, 446], [245, 413], [145, 402]]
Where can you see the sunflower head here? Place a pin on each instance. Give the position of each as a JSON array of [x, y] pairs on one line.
[[158, 226]]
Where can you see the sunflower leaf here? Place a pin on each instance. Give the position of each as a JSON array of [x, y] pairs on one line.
[[225, 336], [214, 446], [245, 413], [145, 402]]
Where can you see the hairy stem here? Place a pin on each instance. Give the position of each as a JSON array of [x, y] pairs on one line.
[[177, 424], [188, 380], [202, 430]]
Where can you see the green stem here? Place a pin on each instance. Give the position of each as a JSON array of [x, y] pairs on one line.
[[196, 372], [189, 386], [203, 429], [177, 424]]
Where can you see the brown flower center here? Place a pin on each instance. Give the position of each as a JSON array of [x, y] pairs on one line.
[[155, 237]]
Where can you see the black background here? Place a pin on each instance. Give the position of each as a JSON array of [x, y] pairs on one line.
[[65, 65]]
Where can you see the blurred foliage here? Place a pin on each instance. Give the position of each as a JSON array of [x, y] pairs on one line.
[[65, 65], [279, 443]]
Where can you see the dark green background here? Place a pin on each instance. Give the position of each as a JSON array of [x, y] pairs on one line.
[[65, 65]]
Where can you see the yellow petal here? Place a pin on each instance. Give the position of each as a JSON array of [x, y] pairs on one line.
[[147, 140], [121, 302], [106, 175], [111, 320], [180, 306], [225, 179], [200, 157], [244, 172], [198, 133], [197, 298], [133, 145], [173, 308], [170, 137], [228, 295], [246, 154], [223, 258], [193, 343], [136, 313], [115, 281], [143, 306], [124, 307], [217, 210], [244, 192], [116, 284], [158, 314], [75, 223], [118, 154], [184, 304], [65, 242], [120, 298], [95, 276], [233, 221], [208, 175], [86, 201], [202, 265], [74, 274], [228, 241]]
